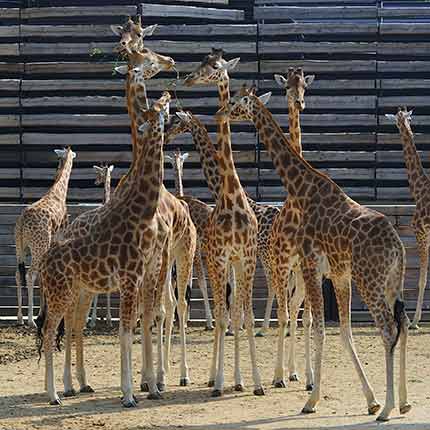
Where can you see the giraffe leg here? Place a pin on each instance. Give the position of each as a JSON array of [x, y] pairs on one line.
[[170, 302], [294, 313], [245, 272], [217, 270], [93, 320], [232, 281], [312, 279], [307, 325], [213, 368], [342, 287], [270, 299], [67, 375], [83, 307], [31, 278], [108, 311], [184, 265], [128, 302], [423, 250], [280, 282], [20, 319], [201, 279], [404, 406], [20, 276]]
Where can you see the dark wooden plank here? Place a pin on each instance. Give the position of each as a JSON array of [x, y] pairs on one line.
[[81, 11]]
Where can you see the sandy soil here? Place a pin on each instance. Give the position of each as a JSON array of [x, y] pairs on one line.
[[24, 405]]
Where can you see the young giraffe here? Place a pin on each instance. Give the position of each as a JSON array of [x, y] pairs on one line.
[[419, 185], [114, 254], [359, 244], [208, 73], [177, 161], [232, 238], [103, 176], [150, 64], [36, 228]]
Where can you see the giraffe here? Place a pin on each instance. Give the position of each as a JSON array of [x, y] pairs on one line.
[[103, 176], [37, 227], [177, 160], [358, 243], [209, 72], [232, 237], [114, 254], [419, 185]]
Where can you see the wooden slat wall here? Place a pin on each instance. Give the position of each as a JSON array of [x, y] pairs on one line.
[[57, 88]]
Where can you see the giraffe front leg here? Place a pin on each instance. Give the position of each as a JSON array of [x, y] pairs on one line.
[[201, 280], [69, 391], [270, 299], [93, 320], [312, 281], [423, 250], [32, 275], [108, 311], [20, 319], [307, 325]]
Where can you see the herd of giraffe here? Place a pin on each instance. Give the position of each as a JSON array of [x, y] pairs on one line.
[[131, 243]]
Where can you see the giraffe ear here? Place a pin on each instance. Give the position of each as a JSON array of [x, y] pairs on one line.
[[148, 31], [264, 98], [169, 158], [230, 65], [122, 70], [281, 81], [391, 117], [185, 156], [309, 79], [409, 115], [60, 152], [97, 169], [73, 154], [111, 167], [183, 116], [117, 29]]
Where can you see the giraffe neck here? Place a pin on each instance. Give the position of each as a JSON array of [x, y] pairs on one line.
[[223, 91], [107, 187], [294, 126], [206, 150], [179, 188], [413, 162], [60, 187], [297, 175]]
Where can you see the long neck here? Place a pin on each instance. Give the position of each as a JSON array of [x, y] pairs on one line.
[[179, 188], [107, 187], [296, 174], [412, 160], [206, 149], [294, 126], [223, 91], [61, 185]]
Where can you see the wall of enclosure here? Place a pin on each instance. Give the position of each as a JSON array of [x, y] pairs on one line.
[[57, 87]]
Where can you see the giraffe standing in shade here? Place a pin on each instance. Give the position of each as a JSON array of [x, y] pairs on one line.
[[359, 244], [419, 185], [103, 176], [36, 228], [198, 212], [232, 238], [116, 253]]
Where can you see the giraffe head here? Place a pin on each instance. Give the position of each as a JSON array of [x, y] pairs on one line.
[[132, 35], [155, 116], [244, 104], [177, 160], [180, 124], [403, 118], [102, 173], [295, 84], [212, 70]]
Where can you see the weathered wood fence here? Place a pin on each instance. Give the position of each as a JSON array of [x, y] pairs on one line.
[[57, 88]]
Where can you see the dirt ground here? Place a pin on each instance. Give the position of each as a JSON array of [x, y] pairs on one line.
[[24, 405]]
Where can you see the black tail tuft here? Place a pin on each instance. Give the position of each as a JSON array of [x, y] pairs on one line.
[[21, 269], [399, 315], [60, 335], [40, 322], [227, 295]]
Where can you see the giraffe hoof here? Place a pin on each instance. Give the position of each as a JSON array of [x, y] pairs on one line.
[[239, 387], [259, 334], [31, 324], [287, 334], [309, 387], [373, 408], [216, 393], [56, 402], [404, 409], [154, 396], [279, 384], [211, 383], [129, 404], [383, 418], [308, 410], [87, 389], [161, 386], [259, 392], [69, 393], [183, 382], [144, 387], [229, 333], [294, 377]]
